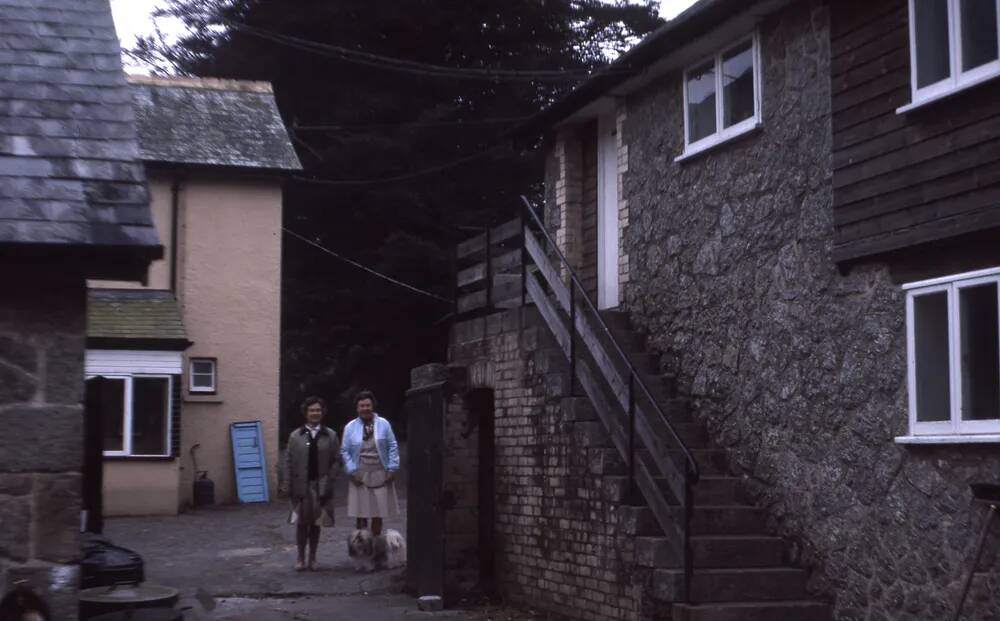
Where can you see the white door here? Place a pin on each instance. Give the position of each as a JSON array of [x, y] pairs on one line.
[[607, 213]]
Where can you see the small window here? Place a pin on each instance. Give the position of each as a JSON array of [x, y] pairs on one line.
[[202, 374], [954, 44], [135, 414], [722, 97], [953, 342]]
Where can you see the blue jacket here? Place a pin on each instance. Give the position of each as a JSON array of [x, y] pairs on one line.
[[385, 442]]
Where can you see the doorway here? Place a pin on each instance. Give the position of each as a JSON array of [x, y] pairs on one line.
[[607, 212]]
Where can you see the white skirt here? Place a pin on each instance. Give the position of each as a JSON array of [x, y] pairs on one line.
[[374, 499]]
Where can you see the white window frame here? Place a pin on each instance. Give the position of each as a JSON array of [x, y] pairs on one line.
[[203, 390], [721, 134], [127, 414], [955, 426], [957, 79]]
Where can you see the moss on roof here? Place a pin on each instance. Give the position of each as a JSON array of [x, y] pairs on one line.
[[133, 314]]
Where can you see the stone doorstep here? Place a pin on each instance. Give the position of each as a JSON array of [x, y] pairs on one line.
[[733, 584], [797, 610]]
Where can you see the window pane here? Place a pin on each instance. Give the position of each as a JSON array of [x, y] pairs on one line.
[[979, 32], [737, 85], [930, 333], [980, 358], [149, 415], [701, 102], [110, 397], [201, 381], [201, 366], [931, 29]]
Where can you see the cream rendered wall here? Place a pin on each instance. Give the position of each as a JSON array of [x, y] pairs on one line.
[[140, 487], [229, 287], [159, 271]]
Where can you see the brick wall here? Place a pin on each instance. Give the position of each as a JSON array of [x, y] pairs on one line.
[[41, 388], [557, 543]]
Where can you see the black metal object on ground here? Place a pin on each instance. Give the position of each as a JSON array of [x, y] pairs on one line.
[[109, 599], [105, 564]]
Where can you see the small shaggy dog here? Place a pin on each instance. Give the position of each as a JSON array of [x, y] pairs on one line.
[[386, 551]]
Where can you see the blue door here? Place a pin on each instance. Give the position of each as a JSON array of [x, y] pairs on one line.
[[248, 459]]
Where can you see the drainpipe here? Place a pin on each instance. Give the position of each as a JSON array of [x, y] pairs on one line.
[[175, 190]]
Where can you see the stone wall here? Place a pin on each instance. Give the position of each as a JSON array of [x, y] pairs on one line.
[[798, 369], [557, 540], [42, 319]]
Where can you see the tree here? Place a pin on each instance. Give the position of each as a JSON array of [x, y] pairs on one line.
[[440, 133]]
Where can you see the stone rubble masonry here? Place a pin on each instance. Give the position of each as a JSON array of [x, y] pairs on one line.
[[799, 370], [41, 448], [557, 539]]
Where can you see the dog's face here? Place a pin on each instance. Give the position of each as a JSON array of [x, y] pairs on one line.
[[360, 544]]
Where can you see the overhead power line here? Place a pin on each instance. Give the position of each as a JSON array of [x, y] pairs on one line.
[[406, 176], [421, 68], [365, 268], [401, 124]]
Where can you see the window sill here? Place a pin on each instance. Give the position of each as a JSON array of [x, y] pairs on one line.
[[139, 458], [202, 399], [980, 438], [712, 143], [930, 99]]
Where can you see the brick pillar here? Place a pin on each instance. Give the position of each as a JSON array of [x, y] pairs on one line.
[[42, 343], [569, 196], [623, 264]]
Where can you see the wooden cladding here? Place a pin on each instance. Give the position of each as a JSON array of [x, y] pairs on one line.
[[902, 180]]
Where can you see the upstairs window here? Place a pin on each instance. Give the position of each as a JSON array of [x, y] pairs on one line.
[[954, 44], [202, 375], [953, 343], [722, 96]]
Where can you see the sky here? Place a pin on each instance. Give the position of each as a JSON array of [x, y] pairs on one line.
[[132, 19]]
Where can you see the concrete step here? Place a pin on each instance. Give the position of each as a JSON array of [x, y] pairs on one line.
[[732, 584], [603, 461], [591, 434], [711, 490], [712, 461], [638, 521], [795, 610], [712, 552], [577, 409], [727, 520]]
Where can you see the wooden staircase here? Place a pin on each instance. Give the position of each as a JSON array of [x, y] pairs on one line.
[[701, 540]]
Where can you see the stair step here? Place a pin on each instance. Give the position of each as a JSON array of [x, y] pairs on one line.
[[732, 585], [710, 552], [711, 461], [616, 488], [577, 409], [616, 319], [711, 490], [591, 434], [796, 610], [602, 461], [727, 520], [638, 521]]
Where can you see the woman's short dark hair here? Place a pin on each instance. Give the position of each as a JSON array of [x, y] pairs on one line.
[[313, 401], [365, 394]]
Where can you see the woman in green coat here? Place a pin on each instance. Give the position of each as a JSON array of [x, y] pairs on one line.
[[312, 462]]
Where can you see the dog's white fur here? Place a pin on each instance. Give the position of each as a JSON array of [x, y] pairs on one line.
[[387, 551]]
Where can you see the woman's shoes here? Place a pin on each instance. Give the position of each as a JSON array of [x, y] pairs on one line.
[[300, 566], [313, 565]]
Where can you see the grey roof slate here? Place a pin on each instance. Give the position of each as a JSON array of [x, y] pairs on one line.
[[134, 314], [70, 172], [211, 122]]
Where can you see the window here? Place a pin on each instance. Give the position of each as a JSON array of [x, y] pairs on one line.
[[954, 44], [722, 97], [135, 414], [953, 343], [202, 375]]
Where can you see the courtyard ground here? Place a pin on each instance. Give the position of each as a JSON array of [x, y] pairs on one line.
[[238, 559]]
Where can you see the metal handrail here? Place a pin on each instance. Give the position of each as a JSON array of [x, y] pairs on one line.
[[693, 465]]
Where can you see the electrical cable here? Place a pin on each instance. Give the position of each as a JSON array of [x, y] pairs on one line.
[[366, 268]]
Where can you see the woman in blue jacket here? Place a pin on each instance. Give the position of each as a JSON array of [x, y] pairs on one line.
[[371, 460]]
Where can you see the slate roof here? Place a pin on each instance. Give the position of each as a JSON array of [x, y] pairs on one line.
[[134, 314], [69, 168], [209, 122]]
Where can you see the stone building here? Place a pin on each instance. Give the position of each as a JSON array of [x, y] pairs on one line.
[[195, 348], [73, 205], [787, 214]]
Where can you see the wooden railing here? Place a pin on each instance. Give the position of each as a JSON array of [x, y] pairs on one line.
[[518, 262]]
